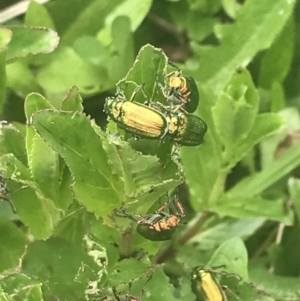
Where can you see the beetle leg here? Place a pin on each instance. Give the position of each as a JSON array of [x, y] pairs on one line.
[[120, 94], [180, 107], [136, 90], [121, 213], [173, 65], [161, 86]]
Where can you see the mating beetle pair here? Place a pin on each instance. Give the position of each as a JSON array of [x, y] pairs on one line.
[[160, 225], [155, 122]]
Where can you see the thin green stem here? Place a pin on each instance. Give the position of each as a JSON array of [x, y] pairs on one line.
[[218, 188]]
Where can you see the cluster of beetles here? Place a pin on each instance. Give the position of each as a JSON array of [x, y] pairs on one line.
[[174, 121], [154, 120]]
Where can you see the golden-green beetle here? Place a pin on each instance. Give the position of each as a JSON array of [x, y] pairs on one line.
[[138, 119], [205, 286]]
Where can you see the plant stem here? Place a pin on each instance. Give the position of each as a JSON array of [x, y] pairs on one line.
[[218, 187]]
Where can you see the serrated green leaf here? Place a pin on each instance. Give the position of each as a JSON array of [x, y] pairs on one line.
[[73, 137], [36, 212], [131, 269], [13, 243], [159, 279], [63, 262], [72, 226], [232, 254], [42, 160], [14, 169], [31, 41], [33, 103], [234, 114], [65, 194], [34, 293], [18, 285], [106, 238], [255, 28], [140, 171], [242, 89], [12, 142], [148, 198], [44, 166], [73, 101], [146, 72], [232, 120]]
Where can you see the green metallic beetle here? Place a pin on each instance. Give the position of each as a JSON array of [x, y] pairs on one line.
[[205, 286], [154, 121], [183, 128], [160, 225], [138, 119], [186, 129]]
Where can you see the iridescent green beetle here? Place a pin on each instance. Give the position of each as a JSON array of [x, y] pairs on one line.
[[186, 129], [138, 119], [183, 128], [205, 286]]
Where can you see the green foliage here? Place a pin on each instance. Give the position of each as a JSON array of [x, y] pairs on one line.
[[65, 168]]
